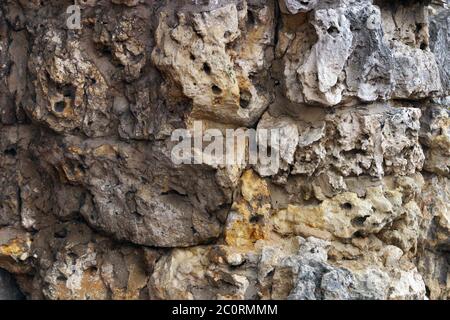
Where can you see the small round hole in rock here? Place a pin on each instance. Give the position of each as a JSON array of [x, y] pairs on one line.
[[10, 152], [251, 18], [244, 99], [105, 50], [347, 206], [358, 234], [61, 234], [69, 92], [333, 31], [93, 269], [423, 46], [60, 106], [216, 90], [244, 103], [359, 221], [61, 278], [206, 68], [255, 219], [419, 27]]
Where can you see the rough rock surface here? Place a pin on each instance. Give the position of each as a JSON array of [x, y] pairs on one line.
[[93, 207]]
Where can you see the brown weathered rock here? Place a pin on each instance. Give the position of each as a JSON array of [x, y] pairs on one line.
[[355, 206]]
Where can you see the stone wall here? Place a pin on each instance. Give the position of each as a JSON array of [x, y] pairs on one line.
[[93, 207]]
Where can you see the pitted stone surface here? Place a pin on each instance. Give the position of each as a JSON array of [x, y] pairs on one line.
[[357, 206]]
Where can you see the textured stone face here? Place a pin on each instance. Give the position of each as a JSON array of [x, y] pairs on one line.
[[153, 203], [210, 58], [92, 205], [358, 51], [373, 140]]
